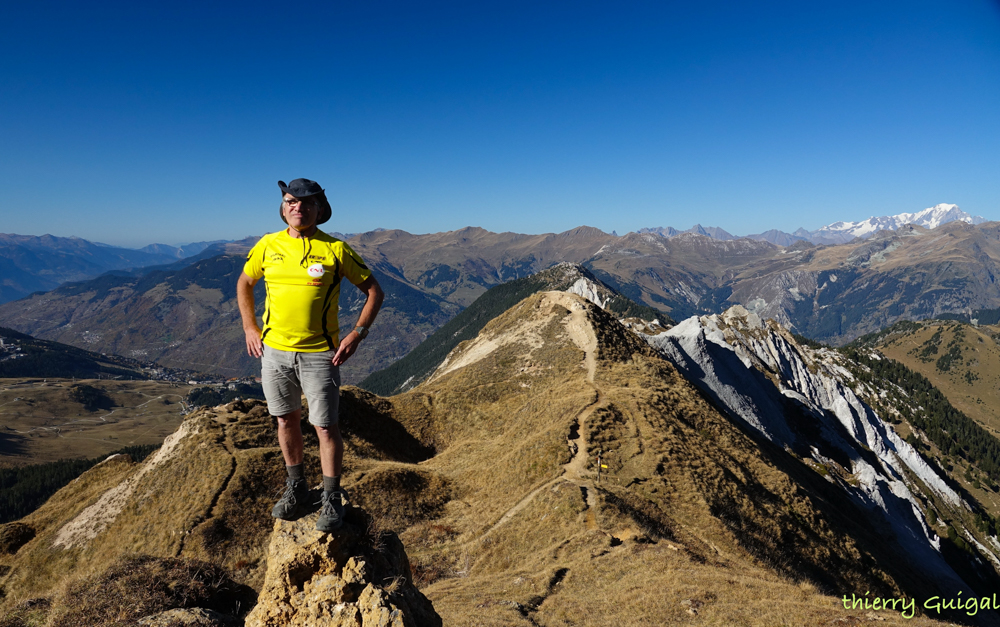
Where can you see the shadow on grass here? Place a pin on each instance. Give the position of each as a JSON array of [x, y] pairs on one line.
[[12, 444]]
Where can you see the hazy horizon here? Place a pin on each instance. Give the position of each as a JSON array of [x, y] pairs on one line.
[[279, 226]]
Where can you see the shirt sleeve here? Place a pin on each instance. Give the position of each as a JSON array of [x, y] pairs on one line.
[[352, 267], [254, 267]]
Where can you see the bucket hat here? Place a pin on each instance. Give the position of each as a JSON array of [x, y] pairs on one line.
[[303, 188]]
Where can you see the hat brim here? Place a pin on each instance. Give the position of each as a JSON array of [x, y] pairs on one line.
[[325, 210], [298, 192]]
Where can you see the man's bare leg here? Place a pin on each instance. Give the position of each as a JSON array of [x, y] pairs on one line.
[[290, 437], [331, 450]]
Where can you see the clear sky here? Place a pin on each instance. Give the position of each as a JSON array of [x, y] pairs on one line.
[[171, 122]]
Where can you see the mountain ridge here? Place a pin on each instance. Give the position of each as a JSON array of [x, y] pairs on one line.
[[829, 293], [418, 364], [30, 263], [840, 232], [555, 466]]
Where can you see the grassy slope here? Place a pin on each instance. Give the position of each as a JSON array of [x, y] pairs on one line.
[[971, 381], [691, 510], [23, 489], [691, 513], [52, 359], [420, 362]]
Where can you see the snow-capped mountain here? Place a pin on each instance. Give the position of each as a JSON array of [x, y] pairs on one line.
[[933, 217], [838, 232]]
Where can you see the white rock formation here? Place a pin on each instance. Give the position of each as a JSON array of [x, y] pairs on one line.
[[800, 400]]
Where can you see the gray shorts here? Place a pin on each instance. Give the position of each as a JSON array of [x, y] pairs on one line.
[[286, 375]]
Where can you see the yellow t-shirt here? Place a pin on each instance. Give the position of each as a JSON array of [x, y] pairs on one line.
[[302, 277]]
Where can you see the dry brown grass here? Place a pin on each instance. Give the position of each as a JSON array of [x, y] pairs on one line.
[[209, 499], [401, 496], [695, 521], [138, 586], [37, 568], [27, 613]]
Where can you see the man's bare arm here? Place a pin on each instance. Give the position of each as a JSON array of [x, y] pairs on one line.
[[349, 343], [244, 296]]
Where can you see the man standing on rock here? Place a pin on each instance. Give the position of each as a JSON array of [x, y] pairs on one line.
[[300, 345]]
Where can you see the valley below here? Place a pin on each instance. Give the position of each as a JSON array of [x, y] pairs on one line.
[[40, 422]]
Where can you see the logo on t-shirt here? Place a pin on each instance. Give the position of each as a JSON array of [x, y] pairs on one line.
[[316, 270]]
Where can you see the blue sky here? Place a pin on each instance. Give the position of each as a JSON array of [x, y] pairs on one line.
[[172, 122]]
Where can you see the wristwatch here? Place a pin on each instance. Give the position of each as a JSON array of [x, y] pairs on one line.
[[361, 331]]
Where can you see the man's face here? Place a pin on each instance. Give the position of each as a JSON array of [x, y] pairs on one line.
[[299, 213]]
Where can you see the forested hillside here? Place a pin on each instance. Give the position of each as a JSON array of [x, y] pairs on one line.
[[23, 489], [24, 356]]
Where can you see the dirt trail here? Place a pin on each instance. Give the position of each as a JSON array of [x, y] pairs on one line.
[[575, 471], [212, 510]]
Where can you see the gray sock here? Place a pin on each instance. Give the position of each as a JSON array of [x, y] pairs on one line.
[[331, 484], [296, 472]]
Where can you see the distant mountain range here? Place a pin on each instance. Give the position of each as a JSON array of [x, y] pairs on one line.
[[184, 315], [182, 251], [31, 263], [713, 231], [838, 232]]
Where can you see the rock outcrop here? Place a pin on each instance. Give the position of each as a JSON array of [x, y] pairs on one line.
[[356, 576]]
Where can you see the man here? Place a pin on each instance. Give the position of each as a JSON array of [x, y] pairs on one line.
[[300, 345]]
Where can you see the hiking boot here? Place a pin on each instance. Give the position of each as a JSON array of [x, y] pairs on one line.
[[331, 514], [295, 494]]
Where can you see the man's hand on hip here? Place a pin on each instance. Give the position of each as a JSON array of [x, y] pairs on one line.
[[255, 348], [347, 347]]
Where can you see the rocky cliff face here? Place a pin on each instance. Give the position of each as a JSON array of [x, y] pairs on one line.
[[807, 402], [801, 400]]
